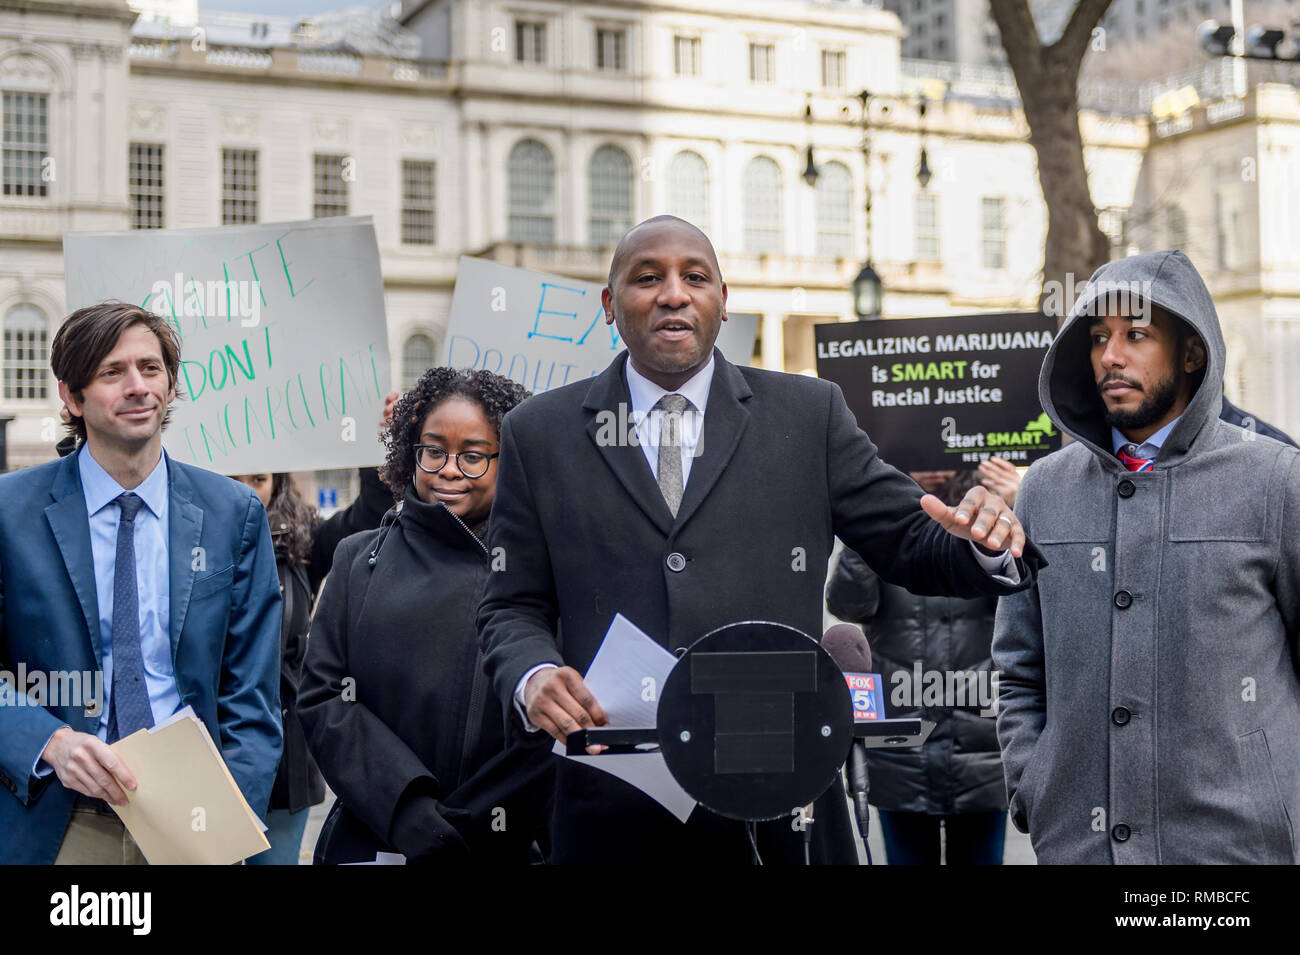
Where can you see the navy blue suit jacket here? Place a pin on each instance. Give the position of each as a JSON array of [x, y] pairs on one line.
[[224, 606]]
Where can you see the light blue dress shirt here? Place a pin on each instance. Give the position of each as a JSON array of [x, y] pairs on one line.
[[152, 581], [1148, 448]]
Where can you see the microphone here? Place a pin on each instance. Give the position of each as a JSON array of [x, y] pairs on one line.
[[849, 649]]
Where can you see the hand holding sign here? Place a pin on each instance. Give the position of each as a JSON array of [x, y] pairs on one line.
[[981, 518], [1000, 477], [386, 419]]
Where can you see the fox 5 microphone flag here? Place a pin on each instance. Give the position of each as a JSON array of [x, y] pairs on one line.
[[868, 703]]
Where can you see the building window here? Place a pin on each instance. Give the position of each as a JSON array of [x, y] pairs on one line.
[[994, 237], [609, 178], [1176, 224], [763, 222], [238, 186], [531, 193], [25, 140], [26, 354], [834, 204], [688, 188], [762, 63], [833, 69], [330, 189], [927, 228], [611, 47], [1227, 218], [146, 177], [686, 55], [530, 42], [417, 358], [419, 225]]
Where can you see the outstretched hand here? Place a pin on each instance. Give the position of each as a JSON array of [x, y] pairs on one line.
[[982, 517]]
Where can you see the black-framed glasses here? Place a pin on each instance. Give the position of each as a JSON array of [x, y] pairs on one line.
[[431, 459]]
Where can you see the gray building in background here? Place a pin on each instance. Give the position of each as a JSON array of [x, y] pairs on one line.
[[963, 31]]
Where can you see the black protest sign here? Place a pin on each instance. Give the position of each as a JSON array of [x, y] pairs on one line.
[[939, 394]]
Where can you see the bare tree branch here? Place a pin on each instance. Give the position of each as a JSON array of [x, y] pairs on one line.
[[1073, 42]]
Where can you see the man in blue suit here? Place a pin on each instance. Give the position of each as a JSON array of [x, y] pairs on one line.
[[119, 562]]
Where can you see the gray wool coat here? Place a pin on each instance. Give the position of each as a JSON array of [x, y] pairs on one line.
[[1149, 698]]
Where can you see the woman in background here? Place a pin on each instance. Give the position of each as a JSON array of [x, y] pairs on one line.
[[954, 783], [304, 552]]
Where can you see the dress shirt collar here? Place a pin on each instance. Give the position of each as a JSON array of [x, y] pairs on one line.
[[1148, 448], [100, 489], [645, 393]]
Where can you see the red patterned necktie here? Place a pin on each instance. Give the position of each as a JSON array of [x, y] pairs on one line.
[[1129, 458]]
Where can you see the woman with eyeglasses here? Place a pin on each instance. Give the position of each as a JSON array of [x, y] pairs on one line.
[[398, 712]]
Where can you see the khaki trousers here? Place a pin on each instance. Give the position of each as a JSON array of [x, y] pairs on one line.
[[96, 836]]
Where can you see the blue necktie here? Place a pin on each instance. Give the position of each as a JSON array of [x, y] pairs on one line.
[[128, 709]]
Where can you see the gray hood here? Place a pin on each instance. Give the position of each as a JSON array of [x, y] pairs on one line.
[[1066, 386]]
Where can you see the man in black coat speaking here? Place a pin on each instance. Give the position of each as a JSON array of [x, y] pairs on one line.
[[722, 507]]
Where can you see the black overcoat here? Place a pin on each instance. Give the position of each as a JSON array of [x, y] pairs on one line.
[[395, 704], [584, 533]]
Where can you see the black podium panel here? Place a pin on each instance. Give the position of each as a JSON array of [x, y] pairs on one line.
[[754, 720]]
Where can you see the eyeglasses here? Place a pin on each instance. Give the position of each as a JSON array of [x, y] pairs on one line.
[[431, 459]]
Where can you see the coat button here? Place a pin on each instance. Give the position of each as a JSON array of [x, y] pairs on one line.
[[1123, 599], [1121, 833], [676, 562], [1126, 488], [1120, 715]]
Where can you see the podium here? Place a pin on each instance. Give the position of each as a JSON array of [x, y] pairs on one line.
[[754, 720]]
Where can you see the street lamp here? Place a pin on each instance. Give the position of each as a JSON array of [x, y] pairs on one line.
[[1261, 43], [868, 292], [923, 174], [810, 172], [868, 289]]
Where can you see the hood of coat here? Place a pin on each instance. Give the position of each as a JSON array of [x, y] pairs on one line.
[[1066, 386]]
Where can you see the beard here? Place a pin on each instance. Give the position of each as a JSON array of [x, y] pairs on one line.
[[1154, 406]]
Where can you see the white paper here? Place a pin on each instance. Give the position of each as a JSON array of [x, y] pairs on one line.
[[626, 665]]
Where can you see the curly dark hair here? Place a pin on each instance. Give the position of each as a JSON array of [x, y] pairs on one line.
[[292, 519], [491, 392]]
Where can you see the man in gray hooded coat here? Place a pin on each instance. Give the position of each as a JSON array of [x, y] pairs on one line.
[[1149, 698]]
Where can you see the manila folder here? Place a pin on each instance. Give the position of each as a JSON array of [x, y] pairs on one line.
[[186, 809]]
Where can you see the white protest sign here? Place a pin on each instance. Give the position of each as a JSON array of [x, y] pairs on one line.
[[545, 331], [284, 342]]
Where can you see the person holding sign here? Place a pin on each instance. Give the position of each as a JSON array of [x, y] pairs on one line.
[[1150, 703], [304, 553], [118, 560], [719, 504], [393, 697]]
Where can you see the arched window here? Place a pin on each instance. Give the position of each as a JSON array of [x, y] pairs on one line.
[[417, 358], [834, 200], [764, 229], [609, 179], [26, 354], [688, 188], [531, 190]]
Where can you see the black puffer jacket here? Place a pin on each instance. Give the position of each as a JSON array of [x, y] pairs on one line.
[[959, 769]]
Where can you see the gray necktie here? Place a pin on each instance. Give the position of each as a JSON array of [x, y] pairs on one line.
[[128, 708], [670, 449]]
